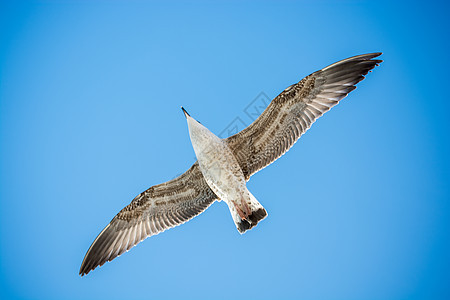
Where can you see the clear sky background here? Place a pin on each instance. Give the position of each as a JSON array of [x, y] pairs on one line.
[[90, 96]]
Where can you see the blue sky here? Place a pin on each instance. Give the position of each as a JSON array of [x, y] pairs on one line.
[[90, 96]]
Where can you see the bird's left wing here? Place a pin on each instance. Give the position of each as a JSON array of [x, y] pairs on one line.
[[159, 208], [292, 112]]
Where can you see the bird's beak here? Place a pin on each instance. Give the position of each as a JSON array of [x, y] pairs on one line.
[[185, 112]]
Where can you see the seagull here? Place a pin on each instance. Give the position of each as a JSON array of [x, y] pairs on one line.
[[224, 166]]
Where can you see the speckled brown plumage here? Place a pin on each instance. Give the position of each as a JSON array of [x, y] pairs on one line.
[[292, 112], [159, 208], [174, 202]]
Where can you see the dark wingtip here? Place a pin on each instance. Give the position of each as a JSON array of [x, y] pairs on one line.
[[185, 112], [370, 55], [84, 270], [376, 54]]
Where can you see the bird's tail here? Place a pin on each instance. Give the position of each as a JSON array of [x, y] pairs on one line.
[[246, 213]]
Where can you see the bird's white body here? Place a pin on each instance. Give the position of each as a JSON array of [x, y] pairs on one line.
[[222, 172]]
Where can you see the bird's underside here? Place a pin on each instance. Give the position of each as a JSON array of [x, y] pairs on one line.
[[271, 135], [224, 175]]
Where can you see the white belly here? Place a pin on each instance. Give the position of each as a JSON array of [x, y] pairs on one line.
[[224, 176], [222, 172], [217, 163]]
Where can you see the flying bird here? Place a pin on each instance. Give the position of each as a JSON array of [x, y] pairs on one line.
[[224, 166]]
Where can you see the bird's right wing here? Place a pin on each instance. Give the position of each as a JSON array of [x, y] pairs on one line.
[[159, 208], [292, 112]]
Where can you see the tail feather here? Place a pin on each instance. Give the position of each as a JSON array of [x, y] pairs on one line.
[[257, 213]]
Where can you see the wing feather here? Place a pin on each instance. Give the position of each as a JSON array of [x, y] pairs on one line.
[[157, 209], [292, 112]]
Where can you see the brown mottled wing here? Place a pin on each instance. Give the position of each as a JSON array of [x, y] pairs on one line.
[[159, 208], [292, 112]]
